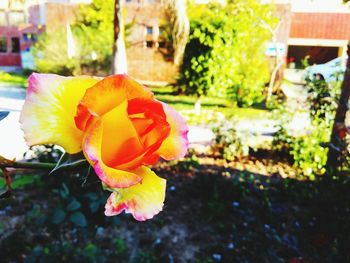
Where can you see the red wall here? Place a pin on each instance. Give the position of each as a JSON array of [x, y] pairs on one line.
[[9, 59], [14, 59]]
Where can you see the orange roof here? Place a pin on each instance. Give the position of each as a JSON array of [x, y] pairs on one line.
[[321, 25]]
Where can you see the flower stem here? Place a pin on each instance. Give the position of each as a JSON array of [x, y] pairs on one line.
[[28, 165], [41, 166]]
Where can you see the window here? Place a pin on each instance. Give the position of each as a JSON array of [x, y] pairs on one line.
[[149, 30], [149, 43], [2, 18], [16, 17], [30, 37], [15, 45], [3, 45]]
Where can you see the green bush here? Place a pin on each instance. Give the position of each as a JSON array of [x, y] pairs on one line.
[[309, 152], [93, 35], [51, 56], [225, 53]]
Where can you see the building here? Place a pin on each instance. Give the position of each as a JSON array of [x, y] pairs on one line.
[[147, 56], [21, 22], [320, 29]]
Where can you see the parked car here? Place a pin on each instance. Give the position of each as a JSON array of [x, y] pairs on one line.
[[330, 71]]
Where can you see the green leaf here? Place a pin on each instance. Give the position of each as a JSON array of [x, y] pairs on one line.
[[78, 219], [73, 205], [70, 161], [2, 182], [58, 216], [3, 114], [65, 191], [22, 181], [91, 196], [94, 206]]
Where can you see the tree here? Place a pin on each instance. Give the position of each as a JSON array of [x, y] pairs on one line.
[[51, 54], [94, 29], [179, 26], [274, 28], [119, 65], [93, 35], [225, 53], [338, 145]]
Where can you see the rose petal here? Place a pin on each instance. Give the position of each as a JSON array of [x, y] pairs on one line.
[[92, 147], [142, 133], [106, 95], [176, 145], [49, 109], [120, 139], [149, 121], [143, 200]]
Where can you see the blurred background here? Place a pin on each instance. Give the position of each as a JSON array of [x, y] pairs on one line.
[[264, 88]]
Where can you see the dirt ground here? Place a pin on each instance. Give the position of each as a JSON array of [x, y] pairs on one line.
[[251, 210]]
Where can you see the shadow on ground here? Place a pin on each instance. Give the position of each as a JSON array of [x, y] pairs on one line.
[[212, 213]]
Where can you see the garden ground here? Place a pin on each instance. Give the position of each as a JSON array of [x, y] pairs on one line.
[[253, 209], [215, 211]]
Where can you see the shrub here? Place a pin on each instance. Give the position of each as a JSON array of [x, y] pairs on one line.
[[310, 150], [93, 35], [225, 53], [51, 56], [230, 143]]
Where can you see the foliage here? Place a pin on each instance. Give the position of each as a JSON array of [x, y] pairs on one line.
[[323, 98], [93, 41], [309, 151], [95, 26], [51, 54], [13, 79], [189, 163], [230, 143], [225, 52], [212, 107], [241, 216], [176, 27], [20, 181]]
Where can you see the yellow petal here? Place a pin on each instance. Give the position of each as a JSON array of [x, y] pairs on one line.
[[143, 200], [92, 147], [49, 109], [120, 139]]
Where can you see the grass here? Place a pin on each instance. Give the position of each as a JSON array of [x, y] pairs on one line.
[[13, 79], [182, 103], [209, 105]]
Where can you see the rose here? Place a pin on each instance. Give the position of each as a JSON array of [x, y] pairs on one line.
[[119, 126]]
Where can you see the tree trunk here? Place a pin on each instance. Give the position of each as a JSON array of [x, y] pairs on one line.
[[337, 145], [181, 30], [119, 65], [180, 27]]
